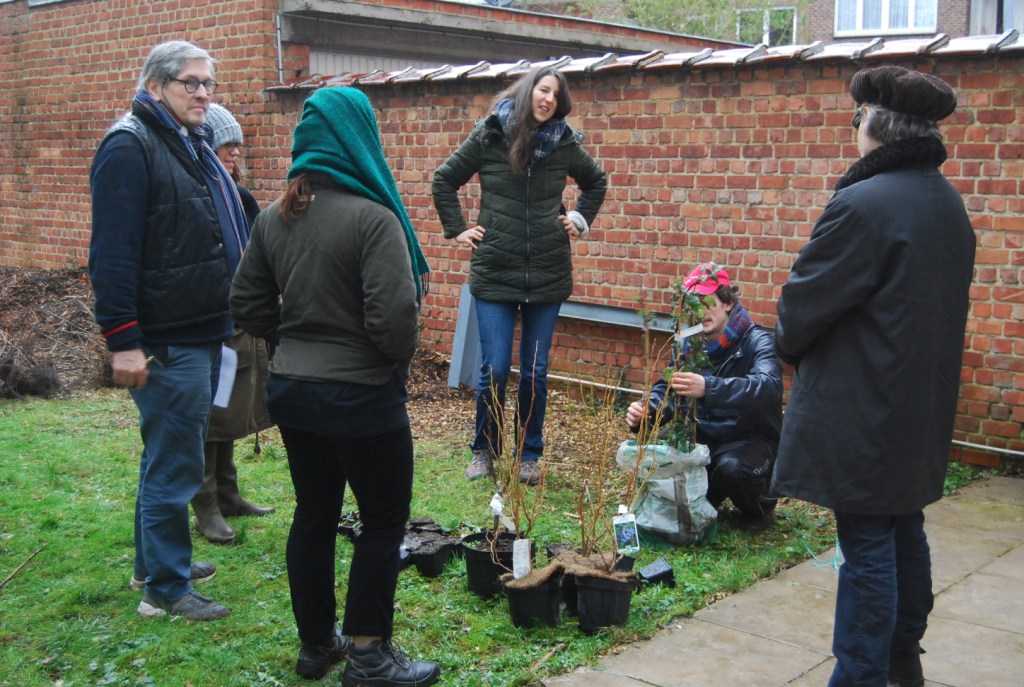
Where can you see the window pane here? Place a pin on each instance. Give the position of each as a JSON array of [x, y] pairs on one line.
[[898, 11], [924, 14], [780, 27], [872, 15], [846, 15], [750, 27]]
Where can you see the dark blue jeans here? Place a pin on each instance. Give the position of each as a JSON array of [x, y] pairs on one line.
[[884, 595], [174, 409], [496, 322]]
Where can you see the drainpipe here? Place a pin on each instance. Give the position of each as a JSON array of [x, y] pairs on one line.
[[280, 61]]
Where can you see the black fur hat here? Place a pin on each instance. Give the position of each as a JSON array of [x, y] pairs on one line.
[[905, 91]]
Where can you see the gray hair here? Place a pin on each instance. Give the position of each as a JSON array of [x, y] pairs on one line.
[[886, 126], [166, 61]]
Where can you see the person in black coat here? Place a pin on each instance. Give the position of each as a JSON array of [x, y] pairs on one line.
[[739, 401], [873, 318]]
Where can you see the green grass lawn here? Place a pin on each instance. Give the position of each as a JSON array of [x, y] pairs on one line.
[[68, 470]]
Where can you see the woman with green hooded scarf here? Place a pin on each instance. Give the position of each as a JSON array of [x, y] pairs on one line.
[[333, 277]]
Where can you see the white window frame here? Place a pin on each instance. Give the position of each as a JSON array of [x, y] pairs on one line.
[[766, 20], [884, 30]]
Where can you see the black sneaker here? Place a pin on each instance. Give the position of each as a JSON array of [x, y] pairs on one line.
[[382, 664], [905, 669], [192, 606], [316, 659], [201, 572]]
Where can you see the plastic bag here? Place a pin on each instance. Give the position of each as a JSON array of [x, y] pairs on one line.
[[672, 506]]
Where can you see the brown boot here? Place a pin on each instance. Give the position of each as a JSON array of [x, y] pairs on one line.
[[209, 521], [229, 499]]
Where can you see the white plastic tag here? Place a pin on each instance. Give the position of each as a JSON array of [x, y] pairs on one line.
[[498, 507], [627, 539], [520, 558]]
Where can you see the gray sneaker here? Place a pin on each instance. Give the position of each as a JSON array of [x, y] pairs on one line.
[[201, 572], [192, 606], [481, 465]]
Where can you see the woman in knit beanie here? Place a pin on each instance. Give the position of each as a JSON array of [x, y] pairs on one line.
[[226, 140], [334, 274], [246, 413]]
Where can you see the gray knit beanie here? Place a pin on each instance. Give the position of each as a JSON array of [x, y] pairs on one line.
[[225, 127]]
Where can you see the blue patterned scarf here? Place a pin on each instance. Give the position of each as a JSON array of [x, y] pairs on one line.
[[738, 324], [545, 136]]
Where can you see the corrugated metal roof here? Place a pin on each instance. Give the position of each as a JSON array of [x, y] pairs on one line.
[[875, 49]]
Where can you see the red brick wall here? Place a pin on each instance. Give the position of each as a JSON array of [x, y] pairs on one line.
[[725, 164]]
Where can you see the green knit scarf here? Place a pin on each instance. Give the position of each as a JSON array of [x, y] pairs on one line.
[[338, 137]]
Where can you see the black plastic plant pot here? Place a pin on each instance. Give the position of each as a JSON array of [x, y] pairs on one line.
[[602, 602], [430, 559], [535, 606], [482, 572]]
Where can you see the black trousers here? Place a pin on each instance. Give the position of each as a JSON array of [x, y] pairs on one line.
[[742, 472], [379, 470]]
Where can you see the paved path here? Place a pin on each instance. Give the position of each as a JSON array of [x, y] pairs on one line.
[[779, 632]]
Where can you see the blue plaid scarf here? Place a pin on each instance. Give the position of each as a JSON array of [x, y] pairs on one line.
[[545, 136], [738, 324]]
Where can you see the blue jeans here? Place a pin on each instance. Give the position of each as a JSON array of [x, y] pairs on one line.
[[496, 322], [884, 595], [174, 409]]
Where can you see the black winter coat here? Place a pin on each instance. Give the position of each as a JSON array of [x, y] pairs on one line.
[[743, 395], [873, 317], [525, 255]]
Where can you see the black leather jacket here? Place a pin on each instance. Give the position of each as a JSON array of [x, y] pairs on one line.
[[743, 394]]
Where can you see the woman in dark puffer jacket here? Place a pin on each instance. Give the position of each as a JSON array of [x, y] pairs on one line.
[[524, 151]]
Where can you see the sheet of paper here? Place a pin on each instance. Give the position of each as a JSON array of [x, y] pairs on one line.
[[228, 366]]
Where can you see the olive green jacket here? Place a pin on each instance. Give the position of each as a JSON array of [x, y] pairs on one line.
[[525, 255]]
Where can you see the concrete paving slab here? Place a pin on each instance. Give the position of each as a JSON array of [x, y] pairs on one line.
[[1000, 518], [703, 653], [822, 573], [994, 489], [1009, 565], [956, 553], [961, 654], [780, 610], [817, 676], [986, 601], [593, 678]]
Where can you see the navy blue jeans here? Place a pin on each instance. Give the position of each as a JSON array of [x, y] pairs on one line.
[[496, 322], [884, 595], [174, 409]]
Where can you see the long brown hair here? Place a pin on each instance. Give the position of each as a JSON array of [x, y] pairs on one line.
[[296, 198], [521, 93]]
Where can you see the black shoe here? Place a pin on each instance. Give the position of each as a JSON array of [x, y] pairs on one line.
[[382, 664], [905, 669], [758, 523], [316, 659]]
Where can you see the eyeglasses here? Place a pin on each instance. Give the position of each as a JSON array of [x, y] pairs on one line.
[[858, 115], [192, 85]]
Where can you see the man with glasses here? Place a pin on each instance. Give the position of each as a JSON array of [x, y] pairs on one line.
[[873, 317], [168, 232]]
